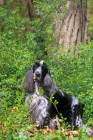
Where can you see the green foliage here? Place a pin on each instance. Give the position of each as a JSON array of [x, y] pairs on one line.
[[74, 74], [18, 50]]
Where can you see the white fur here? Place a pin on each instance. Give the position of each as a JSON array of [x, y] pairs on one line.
[[74, 102], [42, 62], [38, 107], [79, 122]]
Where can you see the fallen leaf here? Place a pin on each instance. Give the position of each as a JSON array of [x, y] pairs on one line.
[[14, 109], [48, 130]]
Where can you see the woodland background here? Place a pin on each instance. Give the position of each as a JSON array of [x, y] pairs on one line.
[[42, 30]]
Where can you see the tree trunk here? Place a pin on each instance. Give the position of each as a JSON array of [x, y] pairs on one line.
[[73, 28], [2, 2], [31, 9]]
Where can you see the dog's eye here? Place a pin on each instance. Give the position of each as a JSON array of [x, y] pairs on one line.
[[36, 65]]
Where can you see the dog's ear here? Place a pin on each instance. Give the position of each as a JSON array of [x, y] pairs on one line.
[[47, 81], [28, 84], [48, 70]]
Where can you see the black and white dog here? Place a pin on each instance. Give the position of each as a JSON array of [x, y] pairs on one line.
[[40, 106]]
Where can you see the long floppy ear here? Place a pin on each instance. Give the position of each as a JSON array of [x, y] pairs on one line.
[[47, 81], [48, 70], [28, 82], [49, 86]]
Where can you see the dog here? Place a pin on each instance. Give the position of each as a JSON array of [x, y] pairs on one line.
[[42, 109], [39, 105]]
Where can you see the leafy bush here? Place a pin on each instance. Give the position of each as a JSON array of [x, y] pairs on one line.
[[18, 50]]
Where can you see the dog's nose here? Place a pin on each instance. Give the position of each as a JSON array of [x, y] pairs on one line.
[[37, 74]]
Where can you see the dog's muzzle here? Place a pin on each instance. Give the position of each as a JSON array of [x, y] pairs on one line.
[[37, 74]]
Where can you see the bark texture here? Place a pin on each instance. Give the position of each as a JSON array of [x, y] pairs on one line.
[[31, 9], [73, 28], [2, 2]]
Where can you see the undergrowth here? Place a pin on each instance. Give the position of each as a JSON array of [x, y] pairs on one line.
[[18, 51]]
